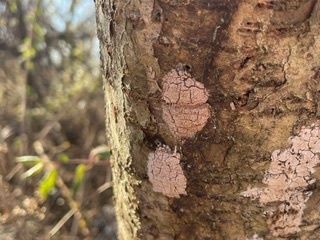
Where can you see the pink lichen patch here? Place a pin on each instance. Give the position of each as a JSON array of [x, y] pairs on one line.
[[180, 88], [308, 140], [185, 122], [287, 181], [165, 172], [185, 110]]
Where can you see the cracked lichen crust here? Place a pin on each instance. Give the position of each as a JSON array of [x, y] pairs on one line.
[[287, 181], [180, 88], [185, 122], [165, 172], [185, 109]]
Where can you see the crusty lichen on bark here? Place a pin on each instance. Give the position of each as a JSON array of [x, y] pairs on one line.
[[165, 172], [263, 59], [185, 109], [287, 181]]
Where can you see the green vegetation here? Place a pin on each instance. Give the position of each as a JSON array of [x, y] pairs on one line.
[[52, 140]]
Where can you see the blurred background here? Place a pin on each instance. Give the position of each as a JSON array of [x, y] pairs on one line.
[[55, 179]]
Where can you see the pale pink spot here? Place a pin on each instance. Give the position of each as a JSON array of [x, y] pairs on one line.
[[180, 88], [185, 122], [288, 177], [185, 110], [165, 172]]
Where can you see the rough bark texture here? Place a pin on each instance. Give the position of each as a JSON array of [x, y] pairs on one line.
[[259, 61]]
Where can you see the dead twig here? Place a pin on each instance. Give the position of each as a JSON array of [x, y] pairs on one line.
[[62, 221]]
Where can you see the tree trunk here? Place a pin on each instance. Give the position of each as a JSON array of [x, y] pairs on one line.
[[212, 109]]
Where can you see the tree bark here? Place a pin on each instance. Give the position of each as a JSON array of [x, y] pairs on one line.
[[241, 138]]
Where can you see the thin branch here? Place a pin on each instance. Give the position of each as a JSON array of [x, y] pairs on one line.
[[49, 166]]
